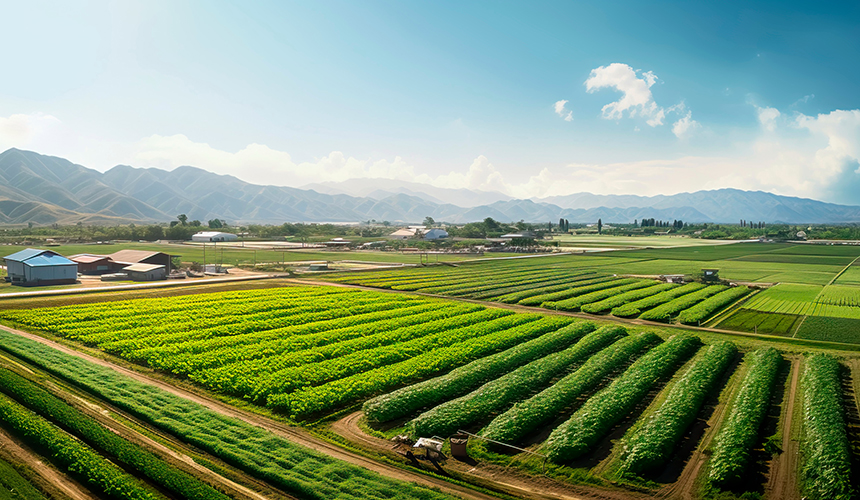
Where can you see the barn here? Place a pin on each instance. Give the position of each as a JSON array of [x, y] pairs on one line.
[[129, 257], [145, 272], [32, 267], [90, 264], [213, 236]]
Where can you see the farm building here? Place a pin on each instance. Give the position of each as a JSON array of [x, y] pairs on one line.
[[711, 274], [522, 235], [402, 234], [94, 264], [31, 267], [435, 234], [213, 236], [129, 257], [145, 272]]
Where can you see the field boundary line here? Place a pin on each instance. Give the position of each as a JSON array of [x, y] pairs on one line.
[[731, 308]]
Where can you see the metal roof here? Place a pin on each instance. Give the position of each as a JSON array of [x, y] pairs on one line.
[[49, 260], [131, 256], [26, 254], [86, 258], [143, 268]]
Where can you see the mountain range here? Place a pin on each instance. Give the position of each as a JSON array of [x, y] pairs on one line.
[[45, 190]]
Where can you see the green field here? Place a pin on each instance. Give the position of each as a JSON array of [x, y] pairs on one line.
[[607, 241]]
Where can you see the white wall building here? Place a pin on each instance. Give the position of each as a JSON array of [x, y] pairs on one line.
[[213, 236], [40, 267]]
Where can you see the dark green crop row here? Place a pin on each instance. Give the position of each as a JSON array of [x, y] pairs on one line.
[[826, 457], [574, 303], [702, 310], [651, 445], [740, 432], [70, 454], [527, 418], [635, 308], [623, 298], [666, 311], [601, 412], [499, 394], [407, 400], [351, 389], [300, 471], [581, 288], [80, 425]]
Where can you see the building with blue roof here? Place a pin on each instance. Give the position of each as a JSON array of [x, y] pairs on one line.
[[32, 267]]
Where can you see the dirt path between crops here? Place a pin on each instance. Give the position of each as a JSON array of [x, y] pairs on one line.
[[685, 486], [60, 482], [488, 475], [782, 481], [293, 434]]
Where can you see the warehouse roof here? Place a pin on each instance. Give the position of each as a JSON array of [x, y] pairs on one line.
[[86, 258], [142, 268], [34, 257], [132, 256]]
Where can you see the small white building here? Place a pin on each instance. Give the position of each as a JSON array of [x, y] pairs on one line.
[[435, 234], [213, 236], [32, 267], [403, 234], [145, 272]]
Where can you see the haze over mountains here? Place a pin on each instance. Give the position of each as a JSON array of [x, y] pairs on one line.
[[45, 190]]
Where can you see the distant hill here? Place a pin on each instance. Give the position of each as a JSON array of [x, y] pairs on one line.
[[45, 190]]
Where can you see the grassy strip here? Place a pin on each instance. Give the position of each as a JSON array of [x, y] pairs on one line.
[[528, 417], [740, 433], [100, 438], [299, 470], [700, 311], [499, 394], [598, 415], [652, 444], [15, 486], [350, 389], [407, 400], [70, 454], [826, 457]]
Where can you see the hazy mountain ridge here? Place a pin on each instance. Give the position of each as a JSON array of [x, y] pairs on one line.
[[44, 190]]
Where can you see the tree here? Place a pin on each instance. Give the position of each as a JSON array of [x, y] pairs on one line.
[[183, 219], [566, 225], [194, 223], [599, 226], [561, 224], [429, 222], [215, 224], [152, 233]]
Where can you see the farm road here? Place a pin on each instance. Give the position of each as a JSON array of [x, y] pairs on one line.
[[292, 434]]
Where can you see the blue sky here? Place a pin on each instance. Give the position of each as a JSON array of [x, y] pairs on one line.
[[749, 95]]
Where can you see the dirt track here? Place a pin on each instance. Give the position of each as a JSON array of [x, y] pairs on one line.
[[504, 479], [782, 480], [59, 482], [293, 434]]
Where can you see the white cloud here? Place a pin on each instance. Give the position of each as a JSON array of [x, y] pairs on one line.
[[36, 131], [685, 127], [560, 111], [636, 98], [767, 117]]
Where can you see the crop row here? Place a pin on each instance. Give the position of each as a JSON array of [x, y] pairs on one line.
[[80, 425], [651, 444], [499, 394], [298, 470], [623, 298], [349, 390], [740, 432], [527, 418], [674, 306], [700, 311], [409, 399], [826, 458], [635, 308], [582, 288], [574, 303], [601, 412], [70, 454], [513, 297]]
